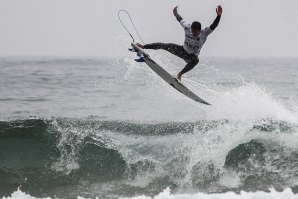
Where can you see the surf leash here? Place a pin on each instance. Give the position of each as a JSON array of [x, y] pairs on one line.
[[119, 17]]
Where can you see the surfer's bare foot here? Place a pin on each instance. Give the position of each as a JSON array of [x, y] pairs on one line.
[[179, 76], [140, 45]]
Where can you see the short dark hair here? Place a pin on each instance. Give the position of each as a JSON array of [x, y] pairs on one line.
[[196, 25]]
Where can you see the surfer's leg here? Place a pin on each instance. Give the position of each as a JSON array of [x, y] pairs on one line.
[[191, 61], [172, 48], [154, 46], [176, 50]]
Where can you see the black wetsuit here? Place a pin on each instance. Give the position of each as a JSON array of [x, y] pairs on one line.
[[191, 59]]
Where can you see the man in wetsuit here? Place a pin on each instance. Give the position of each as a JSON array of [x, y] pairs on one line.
[[194, 40]]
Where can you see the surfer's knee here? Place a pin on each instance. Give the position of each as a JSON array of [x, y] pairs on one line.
[[194, 60]]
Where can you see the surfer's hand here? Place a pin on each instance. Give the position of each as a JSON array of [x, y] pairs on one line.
[[175, 10], [219, 10]]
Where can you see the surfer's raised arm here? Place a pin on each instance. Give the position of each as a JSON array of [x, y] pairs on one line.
[[183, 23], [195, 37], [217, 19], [178, 17]]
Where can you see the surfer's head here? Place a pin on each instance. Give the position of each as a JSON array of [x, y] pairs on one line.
[[196, 28]]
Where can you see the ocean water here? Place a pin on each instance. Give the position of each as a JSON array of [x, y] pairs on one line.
[[111, 128]]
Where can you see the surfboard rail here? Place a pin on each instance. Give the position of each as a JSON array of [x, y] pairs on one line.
[[160, 71]]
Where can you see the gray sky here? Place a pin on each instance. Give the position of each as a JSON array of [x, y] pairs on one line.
[[91, 27]]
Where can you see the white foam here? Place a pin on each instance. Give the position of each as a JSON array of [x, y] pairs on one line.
[[230, 180], [166, 194], [21, 195], [249, 102]]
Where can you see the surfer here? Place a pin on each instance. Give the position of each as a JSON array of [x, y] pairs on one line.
[[195, 38]]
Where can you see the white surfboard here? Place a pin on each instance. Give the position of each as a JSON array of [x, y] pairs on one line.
[[166, 76]]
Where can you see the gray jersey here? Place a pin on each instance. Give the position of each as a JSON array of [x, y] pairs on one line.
[[193, 45]]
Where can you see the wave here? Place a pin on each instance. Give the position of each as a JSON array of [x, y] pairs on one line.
[[222, 155]]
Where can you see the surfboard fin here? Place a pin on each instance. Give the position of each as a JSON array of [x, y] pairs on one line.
[[141, 59], [132, 50]]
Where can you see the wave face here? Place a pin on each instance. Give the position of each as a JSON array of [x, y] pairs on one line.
[[68, 157]]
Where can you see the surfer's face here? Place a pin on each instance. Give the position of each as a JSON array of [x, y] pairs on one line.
[[195, 32]]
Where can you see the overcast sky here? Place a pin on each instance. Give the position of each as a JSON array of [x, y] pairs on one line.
[[91, 27]]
